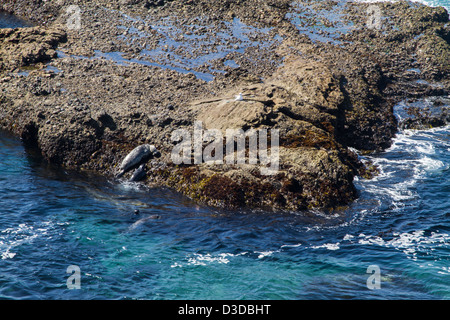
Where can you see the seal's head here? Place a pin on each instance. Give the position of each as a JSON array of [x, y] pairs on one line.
[[154, 151]]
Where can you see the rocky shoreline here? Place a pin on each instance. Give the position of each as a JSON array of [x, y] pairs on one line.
[[132, 72]]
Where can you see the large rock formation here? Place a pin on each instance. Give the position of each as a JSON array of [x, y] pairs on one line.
[[326, 85]]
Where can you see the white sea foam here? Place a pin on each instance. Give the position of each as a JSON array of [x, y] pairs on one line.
[[328, 246], [411, 243], [199, 259], [264, 254], [445, 270], [348, 237], [204, 259], [411, 158]]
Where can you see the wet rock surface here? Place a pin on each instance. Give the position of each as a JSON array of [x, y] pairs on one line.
[[93, 81]]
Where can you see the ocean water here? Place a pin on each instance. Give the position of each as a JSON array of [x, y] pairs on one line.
[[392, 243]]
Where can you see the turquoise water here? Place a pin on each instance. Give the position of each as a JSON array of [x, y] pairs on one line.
[[51, 218]]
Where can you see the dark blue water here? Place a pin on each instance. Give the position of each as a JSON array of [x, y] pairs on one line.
[[51, 218]]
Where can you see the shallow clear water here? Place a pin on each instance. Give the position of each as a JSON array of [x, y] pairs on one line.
[[193, 47]]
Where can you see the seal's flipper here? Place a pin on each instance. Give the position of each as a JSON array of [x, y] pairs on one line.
[[138, 174]]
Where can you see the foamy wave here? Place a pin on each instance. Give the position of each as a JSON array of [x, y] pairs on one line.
[[411, 243], [414, 245], [204, 259], [328, 246], [198, 259], [411, 158]]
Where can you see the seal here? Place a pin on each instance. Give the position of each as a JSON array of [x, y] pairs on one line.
[[138, 174], [143, 220], [138, 155]]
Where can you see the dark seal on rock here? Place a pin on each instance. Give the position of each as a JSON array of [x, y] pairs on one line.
[[138, 174], [137, 156]]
